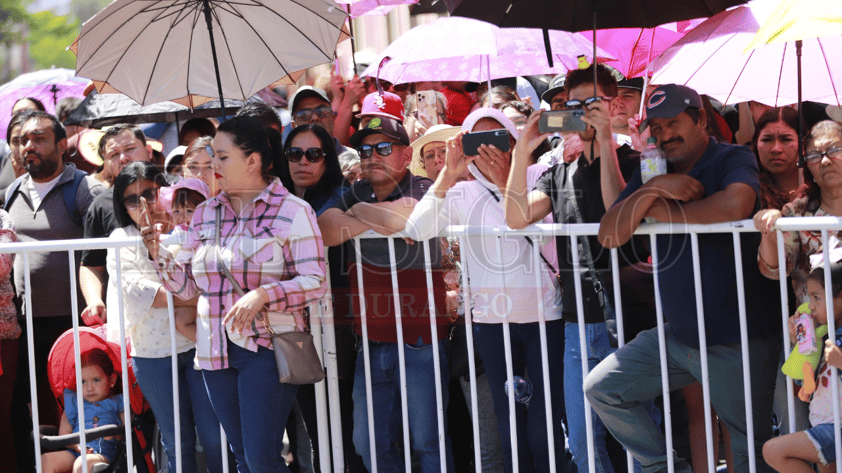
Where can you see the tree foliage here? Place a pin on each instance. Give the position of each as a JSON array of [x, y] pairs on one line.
[[49, 37]]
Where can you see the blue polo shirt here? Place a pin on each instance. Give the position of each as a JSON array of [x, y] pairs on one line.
[[721, 165]]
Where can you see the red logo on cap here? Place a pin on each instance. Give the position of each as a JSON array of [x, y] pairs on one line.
[[657, 98]]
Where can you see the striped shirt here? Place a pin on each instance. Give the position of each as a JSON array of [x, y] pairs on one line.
[[275, 243]]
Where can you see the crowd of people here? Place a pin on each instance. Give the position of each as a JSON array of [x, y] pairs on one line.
[[250, 220]]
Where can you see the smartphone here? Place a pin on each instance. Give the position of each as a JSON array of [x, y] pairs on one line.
[[472, 141], [426, 104], [563, 121]]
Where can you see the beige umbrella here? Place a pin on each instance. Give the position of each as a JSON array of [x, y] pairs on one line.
[[193, 51]]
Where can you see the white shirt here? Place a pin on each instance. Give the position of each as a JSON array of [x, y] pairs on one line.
[[39, 190]]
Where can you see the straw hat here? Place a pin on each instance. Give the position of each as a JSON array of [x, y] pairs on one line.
[[434, 133]]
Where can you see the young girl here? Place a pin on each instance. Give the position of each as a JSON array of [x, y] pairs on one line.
[[102, 407], [180, 200], [794, 452]]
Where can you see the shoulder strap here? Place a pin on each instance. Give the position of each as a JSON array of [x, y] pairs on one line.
[[69, 191], [11, 191]]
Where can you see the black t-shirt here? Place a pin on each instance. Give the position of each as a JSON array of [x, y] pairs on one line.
[[582, 179], [100, 221]]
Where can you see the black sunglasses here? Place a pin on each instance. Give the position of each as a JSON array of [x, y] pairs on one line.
[[303, 115], [577, 104], [132, 202], [383, 149], [314, 155]]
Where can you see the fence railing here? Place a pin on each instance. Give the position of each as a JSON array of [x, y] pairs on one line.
[[327, 392]]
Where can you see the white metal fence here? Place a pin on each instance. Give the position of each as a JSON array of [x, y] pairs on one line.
[[327, 392]]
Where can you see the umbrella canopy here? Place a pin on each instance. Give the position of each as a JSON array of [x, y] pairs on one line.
[[155, 51], [48, 85], [463, 49], [578, 15], [357, 8], [712, 60], [634, 48], [99, 110], [804, 19]]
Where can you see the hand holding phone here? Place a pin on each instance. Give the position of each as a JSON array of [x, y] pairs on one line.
[[562, 121], [472, 141], [426, 106]]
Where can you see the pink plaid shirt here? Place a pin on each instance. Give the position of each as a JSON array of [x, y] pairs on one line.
[[275, 244]]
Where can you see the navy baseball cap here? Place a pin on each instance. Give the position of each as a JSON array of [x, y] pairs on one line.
[[387, 126], [668, 101], [556, 86]]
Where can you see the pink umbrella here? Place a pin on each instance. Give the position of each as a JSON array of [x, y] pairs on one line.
[[356, 8], [48, 85], [634, 48], [464, 49]]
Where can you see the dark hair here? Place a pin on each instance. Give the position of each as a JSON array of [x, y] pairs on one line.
[[202, 125], [771, 197], [250, 136], [197, 145], [17, 119], [66, 106], [813, 191], [38, 104], [604, 79], [184, 197], [507, 93], [817, 275], [58, 129], [98, 357], [262, 112], [132, 173], [521, 107], [115, 130], [332, 177]]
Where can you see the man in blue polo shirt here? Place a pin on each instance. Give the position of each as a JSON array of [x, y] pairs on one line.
[[707, 182]]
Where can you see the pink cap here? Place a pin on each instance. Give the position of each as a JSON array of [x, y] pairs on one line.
[[388, 105], [165, 195]]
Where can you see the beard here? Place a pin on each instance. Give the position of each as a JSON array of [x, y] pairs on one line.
[[40, 168]]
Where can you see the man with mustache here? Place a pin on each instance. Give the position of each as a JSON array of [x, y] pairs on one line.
[[40, 204], [707, 182]]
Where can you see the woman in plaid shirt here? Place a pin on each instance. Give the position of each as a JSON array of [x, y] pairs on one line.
[[270, 241]]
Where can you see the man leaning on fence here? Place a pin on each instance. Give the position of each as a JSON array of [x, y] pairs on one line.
[[47, 203], [382, 201], [707, 182]]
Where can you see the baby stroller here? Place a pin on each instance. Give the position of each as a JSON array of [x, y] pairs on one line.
[[61, 371]]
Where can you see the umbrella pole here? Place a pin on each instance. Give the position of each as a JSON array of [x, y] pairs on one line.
[[206, 9], [800, 110], [594, 52], [353, 41]]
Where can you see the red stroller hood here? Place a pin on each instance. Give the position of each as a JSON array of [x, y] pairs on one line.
[[61, 364]]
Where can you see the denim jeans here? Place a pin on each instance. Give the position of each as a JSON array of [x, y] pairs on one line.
[[531, 422], [618, 385], [253, 407], [154, 376], [386, 398], [598, 342]]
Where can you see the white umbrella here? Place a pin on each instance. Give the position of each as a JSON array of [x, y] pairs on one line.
[[158, 50]]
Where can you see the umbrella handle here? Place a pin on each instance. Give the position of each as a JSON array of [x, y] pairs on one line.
[[377, 77]]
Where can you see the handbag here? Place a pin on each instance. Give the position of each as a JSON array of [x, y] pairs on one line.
[[295, 353]]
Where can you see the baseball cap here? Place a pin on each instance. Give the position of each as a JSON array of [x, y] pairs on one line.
[[306, 91], [387, 105], [178, 151], [668, 101], [635, 83], [387, 126], [494, 114], [556, 86]]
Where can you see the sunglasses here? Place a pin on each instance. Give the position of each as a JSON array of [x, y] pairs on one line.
[[314, 155], [815, 157], [303, 115], [383, 149], [132, 202], [579, 104]]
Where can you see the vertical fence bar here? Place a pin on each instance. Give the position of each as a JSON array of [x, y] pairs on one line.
[[33, 391], [176, 404], [407, 450], [124, 364], [662, 350], [77, 357], [831, 331], [366, 357], [703, 350], [510, 376], [538, 268], [621, 333], [440, 411], [223, 440], [583, 349], [741, 299], [472, 369], [790, 393]]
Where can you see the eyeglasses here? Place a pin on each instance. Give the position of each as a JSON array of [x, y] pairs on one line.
[[303, 115], [132, 202], [383, 149], [578, 104], [314, 155], [832, 153]]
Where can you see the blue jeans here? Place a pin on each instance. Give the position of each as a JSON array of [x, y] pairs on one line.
[[154, 376], [253, 407], [531, 422], [598, 342], [619, 384], [386, 398]]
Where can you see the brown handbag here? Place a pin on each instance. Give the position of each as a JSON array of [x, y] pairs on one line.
[[295, 353]]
